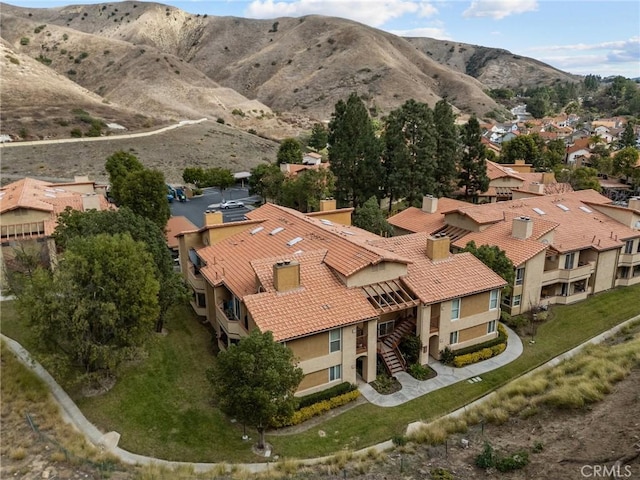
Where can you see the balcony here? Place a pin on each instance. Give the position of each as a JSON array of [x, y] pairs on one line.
[[582, 272], [230, 325], [361, 343], [201, 311], [195, 279], [628, 259], [577, 296]]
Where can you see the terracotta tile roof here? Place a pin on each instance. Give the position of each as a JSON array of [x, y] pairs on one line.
[[577, 228], [458, 275], [321, 303], [416, 220], [518, 250], [495, 170], [347, 250], [177, 225]]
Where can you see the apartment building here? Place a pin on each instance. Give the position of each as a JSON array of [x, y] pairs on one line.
[[338, 296], [564, 246], [29, 211]]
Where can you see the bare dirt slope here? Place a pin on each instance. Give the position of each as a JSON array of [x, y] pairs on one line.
[[205, 144]]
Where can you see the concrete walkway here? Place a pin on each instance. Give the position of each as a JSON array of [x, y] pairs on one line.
[[412, 388], [72, 414]]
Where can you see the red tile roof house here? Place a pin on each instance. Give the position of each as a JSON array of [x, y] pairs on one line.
[[29, 212], [338, 296], [564, 246]]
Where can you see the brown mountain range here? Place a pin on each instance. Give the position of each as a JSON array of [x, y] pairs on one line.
[[139, 63]]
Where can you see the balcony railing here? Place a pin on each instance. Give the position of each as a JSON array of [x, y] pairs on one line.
[[581, 272], [628, 259], [361, 343], [231, 325], [201, 311], [195, 279]]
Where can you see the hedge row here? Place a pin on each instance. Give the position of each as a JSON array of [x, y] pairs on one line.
[[501, 338], [309, 400], [484, 354], [318, 408]]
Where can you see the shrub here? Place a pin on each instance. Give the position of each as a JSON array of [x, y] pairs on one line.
[[65, 37], [220, 120], [447, 356], [42, 59], [484, 354], [24, 41], [76, 133], [441, 474], [515, 461], [487, 458], [327, 394], [399, 440], [13, 60], [318, 408], [237, 111], [252, 131], [71, 72], [410, 346], [39, 28], [419, 372], [537, 447]]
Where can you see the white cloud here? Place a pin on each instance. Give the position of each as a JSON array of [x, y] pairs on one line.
[[373, 13], [499, 9], [431, 32]]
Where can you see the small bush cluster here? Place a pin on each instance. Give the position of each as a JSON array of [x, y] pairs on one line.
[[24, 41], [318, 408], [419, 372], [42, 59], [484, 354], [447, 356], [488, 458], [39, 28], [335, 391], [237, 111]]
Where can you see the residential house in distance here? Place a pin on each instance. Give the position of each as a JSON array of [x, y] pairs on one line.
[[564, 246], [29, 211], [338, 296]]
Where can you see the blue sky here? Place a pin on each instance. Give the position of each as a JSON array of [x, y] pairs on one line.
[[577, 36]]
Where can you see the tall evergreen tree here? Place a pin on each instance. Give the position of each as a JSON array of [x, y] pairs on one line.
[[354, 153], [145, 193], [119, 165], [447, 149], [473, 166], [409, 152], [628, 137], [318, 138]]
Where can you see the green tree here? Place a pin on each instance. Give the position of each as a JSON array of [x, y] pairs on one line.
[[194, 175], [144, 192], [304, 191], [625, 162], [584, 178], [119, 166], [447, 149], [591, 82], [496, 259], [254, 381], [266, 180], [370, 217], [409, 155], [220, 178], [473, 166], [553, 154], [523, 147], [628, 137], [290, 151], [354, 153], [97, 307], [319, 137], [75, 224]]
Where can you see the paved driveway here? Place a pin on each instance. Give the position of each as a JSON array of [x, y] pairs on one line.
[[211, 199]]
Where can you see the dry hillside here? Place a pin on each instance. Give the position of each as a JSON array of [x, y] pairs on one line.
[[163, 63]]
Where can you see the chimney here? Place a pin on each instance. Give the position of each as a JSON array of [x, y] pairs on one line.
[[286, 275], [634, 203], [548, 178], [90, 201], [522, 228], [438, 246], [429, 204], [211, 217], [536, 187], [327, 205]]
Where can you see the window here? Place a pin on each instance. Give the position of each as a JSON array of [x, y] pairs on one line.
[[335, 373], [201, 300], [638, 249], [334, 340], [564, 289], [517, 299], [455, 309], [493, 300], [385, 328], [628, 246], [453, 338], [236, 308], [519, 276], [491, 326], [568, 261]]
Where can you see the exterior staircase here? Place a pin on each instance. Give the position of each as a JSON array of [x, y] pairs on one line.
[[388, 350]]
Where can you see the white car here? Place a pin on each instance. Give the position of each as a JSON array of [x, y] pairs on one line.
[[231, 204]]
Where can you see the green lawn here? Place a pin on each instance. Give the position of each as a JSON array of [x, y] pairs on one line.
[[162, 406]]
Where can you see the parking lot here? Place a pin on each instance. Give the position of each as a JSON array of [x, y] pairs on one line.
[[211, 199]]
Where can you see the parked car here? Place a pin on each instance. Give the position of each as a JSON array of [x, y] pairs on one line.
[[231, 204]]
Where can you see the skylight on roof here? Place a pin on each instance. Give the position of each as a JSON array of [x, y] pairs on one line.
[[276, 230], [562, 207], [539, 211], [58, 189], [293, 241], [586, 210], [324, 221], [50, 190], [256, 230], [347, 232], [50, 195], [297, 252]]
